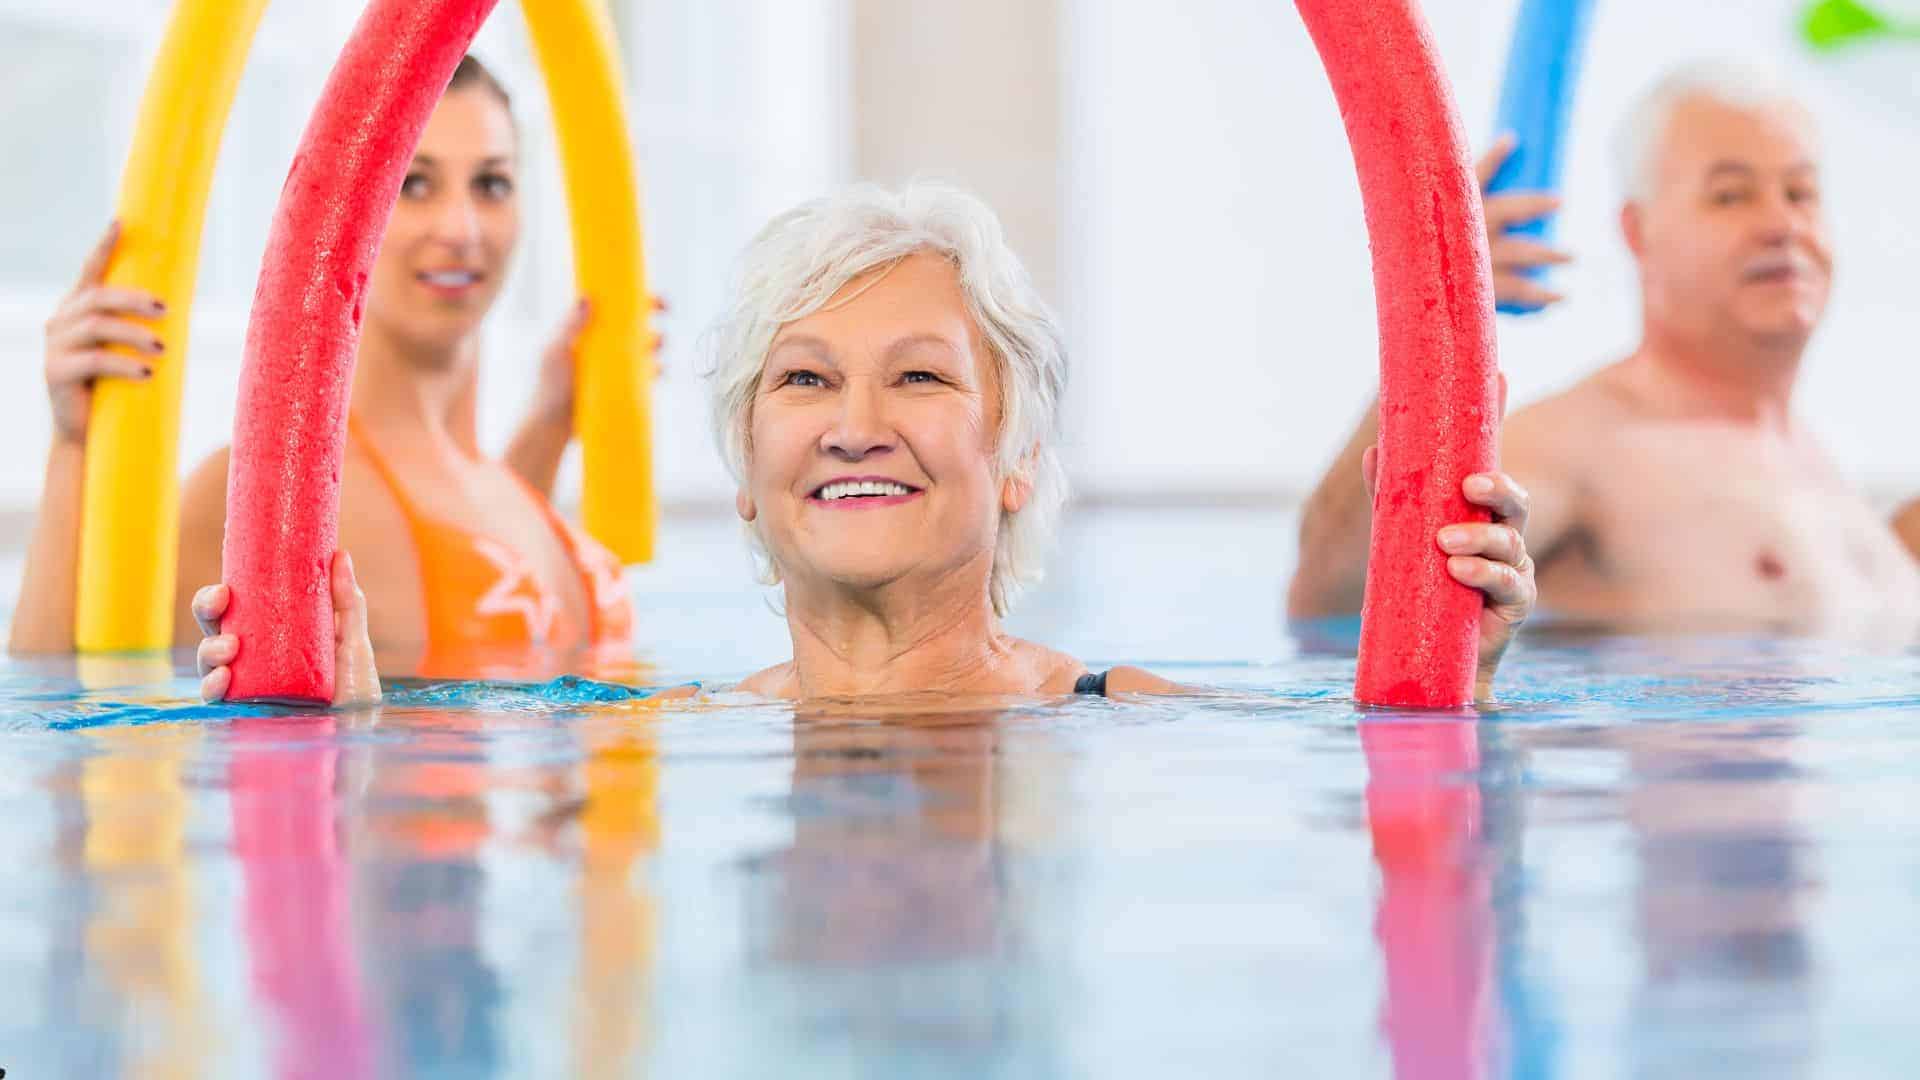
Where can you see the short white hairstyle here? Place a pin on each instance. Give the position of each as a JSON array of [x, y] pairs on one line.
[[803, 257], [1643, 131]]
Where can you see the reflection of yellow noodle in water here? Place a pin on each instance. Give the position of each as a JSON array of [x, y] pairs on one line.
[[130, 512], [619, 824], [142, 934], [575, 43]]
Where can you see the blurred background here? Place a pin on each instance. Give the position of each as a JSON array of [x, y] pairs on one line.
[[1174, 173]]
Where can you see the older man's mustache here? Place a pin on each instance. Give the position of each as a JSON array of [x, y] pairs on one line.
[[1778, 266]]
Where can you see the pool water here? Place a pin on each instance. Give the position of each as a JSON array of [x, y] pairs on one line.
[[1658, 857]]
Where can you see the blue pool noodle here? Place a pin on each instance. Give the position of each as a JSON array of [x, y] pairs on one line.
[[1543, 68]]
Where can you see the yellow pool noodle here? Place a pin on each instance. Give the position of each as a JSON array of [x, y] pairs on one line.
[[574, 42], [130, 512]]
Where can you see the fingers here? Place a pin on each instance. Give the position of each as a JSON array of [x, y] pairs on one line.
[[1517, 253], [210, 606], [1517, 208], [1489, 164], [577, 320], [216, 651], [90, 331], [1503, 393], [1506, 587], [1512, 288], [214, 684], [94, 270], [1501, 494], [1370, 470], [110, 300], [89, 364], [1497, 542]]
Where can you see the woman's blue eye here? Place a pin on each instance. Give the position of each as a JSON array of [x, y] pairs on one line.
[[415, 186], [494, 186], [802, 378], [920, 377]]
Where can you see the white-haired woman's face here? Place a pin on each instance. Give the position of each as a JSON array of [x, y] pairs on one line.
[[871, 437]]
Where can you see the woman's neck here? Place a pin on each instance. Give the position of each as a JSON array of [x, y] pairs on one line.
[[408, 397], [901, 638]]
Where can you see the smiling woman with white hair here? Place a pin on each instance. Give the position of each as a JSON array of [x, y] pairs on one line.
[[887, 387]]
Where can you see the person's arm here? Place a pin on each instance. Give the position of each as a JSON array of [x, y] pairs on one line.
[[91, 318], [1336, 522], [541, 441], [1906, 523], [203, 532], [1336, 527]]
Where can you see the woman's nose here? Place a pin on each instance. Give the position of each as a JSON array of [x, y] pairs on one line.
[[860, 428], [458, 222]]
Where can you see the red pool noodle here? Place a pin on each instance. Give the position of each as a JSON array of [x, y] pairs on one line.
[[1439, 393], [289, 428]]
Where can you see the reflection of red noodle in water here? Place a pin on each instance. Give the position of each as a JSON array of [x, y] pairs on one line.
[[1435, 917], [298, 930]]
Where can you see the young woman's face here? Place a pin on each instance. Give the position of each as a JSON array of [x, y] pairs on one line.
[[454, 229]]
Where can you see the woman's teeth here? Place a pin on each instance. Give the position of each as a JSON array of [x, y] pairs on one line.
[[853, 489], [451, 279]]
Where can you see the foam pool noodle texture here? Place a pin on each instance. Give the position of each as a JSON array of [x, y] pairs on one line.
[[1439, 394], [575, 43], [289, 430], [1536, 102], [130, 509]]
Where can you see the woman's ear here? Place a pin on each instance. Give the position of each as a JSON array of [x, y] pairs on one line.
[[743, 505], [1015, 490]]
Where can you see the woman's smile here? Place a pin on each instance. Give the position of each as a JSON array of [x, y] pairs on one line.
[[863, 493]]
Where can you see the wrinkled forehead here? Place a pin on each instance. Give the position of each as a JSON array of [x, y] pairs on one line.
[[1704, 134], [912, 306]]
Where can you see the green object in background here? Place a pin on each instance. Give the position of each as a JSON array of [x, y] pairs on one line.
[[1833, 24]]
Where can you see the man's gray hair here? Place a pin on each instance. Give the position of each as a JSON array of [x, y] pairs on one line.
[[806, 255], [1642, 132]]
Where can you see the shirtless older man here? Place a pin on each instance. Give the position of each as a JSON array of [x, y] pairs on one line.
[[1724, 217]]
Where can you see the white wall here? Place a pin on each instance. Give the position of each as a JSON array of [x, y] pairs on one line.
[[739, 108], [1220, 300]]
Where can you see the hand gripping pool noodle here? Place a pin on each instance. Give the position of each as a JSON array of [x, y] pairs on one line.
[[289, 428], [1543, 68], [1439, 398], [574, 41], [130, 512]]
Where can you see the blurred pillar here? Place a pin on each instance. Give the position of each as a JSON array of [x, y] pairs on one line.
[[967, 92]]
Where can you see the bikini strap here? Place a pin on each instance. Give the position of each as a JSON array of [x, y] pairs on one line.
[[1091, 683], [359, 438]]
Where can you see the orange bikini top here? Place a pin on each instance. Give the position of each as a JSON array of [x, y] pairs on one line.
[[486, 606]]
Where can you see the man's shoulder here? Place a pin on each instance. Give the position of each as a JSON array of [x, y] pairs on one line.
[[1596, 401]]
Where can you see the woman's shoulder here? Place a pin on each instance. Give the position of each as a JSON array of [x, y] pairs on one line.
[[771, 682], [1063, 674]]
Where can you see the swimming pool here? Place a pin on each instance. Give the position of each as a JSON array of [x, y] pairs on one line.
[[1660, 857]]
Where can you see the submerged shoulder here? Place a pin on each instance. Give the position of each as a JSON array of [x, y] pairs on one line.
[[771, 682], [1133, 680]]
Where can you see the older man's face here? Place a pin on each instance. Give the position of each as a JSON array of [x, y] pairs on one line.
[[1733, 238]]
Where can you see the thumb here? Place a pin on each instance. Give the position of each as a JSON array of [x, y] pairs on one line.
[[1370, 469], [1496, 156], [349, 603]]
